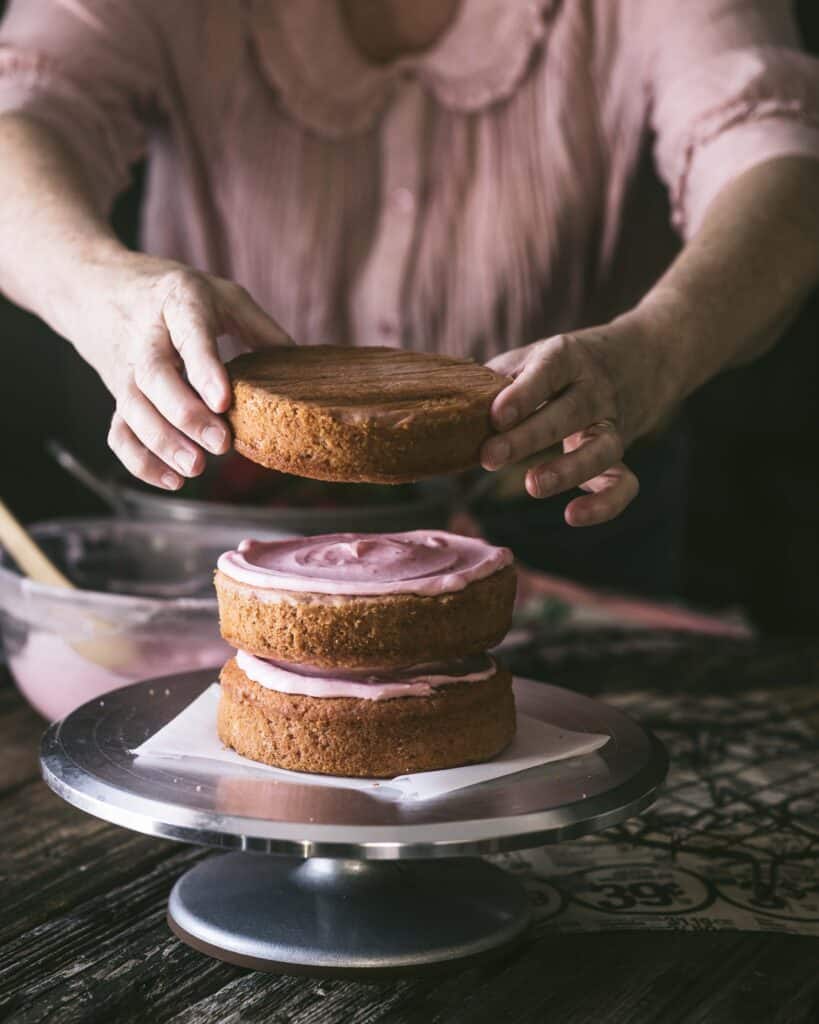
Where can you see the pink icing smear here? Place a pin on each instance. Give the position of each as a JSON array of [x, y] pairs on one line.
[[418, 681], [423, 562]]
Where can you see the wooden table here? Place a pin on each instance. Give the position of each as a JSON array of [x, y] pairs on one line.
[[83, 935]]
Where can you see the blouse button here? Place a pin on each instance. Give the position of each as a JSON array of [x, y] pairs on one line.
[[388, 328]]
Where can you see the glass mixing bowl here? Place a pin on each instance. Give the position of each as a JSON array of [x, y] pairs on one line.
[[144, 607]]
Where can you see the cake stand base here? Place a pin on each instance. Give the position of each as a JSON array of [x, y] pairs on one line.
[[322, 916]]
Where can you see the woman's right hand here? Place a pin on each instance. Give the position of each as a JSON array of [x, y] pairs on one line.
[[150, 331]]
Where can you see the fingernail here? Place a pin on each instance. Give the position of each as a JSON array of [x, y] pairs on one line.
[[497, 453], [506, 416], [213, 438], [546, 483], [185, 460], [214, 396], [170, 481]]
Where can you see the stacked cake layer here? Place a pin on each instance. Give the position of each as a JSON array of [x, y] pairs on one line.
[[363, 654]]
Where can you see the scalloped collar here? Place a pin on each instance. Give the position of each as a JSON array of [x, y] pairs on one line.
[[324, 81]]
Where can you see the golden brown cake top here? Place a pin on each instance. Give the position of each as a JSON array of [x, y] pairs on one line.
[[336, 375]]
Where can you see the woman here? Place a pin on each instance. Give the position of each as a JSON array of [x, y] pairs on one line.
[[473, 177]]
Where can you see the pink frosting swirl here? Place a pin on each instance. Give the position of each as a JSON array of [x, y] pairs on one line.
[[423, 562], [418, 681]]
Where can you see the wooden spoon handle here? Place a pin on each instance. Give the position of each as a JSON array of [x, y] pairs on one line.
[[27, 554]]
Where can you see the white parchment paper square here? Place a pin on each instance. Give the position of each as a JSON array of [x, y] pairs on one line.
[[192, 734]]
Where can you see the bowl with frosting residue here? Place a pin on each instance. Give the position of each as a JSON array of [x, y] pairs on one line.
[[144, 593]]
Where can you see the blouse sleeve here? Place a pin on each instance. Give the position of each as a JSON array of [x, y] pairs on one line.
[[90, 70], [728, 89]]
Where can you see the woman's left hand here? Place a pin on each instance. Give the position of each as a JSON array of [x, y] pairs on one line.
[[593, 392]]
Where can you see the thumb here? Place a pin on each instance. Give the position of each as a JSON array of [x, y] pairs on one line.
[[247, 318]]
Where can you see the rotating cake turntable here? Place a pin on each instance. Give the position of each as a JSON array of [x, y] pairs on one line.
[[325, 880]]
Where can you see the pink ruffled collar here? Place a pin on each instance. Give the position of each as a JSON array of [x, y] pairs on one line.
[[326, 83]]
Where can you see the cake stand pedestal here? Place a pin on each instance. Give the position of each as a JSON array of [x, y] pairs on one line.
[[337, 916], [338, 881]]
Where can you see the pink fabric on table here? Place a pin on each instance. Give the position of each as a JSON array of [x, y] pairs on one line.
[[489, 191], [599, 607], [593, 606]]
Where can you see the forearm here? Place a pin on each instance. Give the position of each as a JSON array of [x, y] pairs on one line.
[[724, 300], [51, 236], [148, 326], [743, 277]]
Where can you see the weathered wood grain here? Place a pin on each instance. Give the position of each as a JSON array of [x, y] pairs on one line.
[[20, 729]]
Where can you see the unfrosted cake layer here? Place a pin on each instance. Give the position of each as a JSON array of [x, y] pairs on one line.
[[371, 414]]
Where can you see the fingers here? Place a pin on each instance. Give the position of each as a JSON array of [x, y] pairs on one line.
[[611, 493], [599, 449], [593, 464], [163, 412], [547, 369], [243, 315], [137, 459], [157, 435], [565, 415], [591, 461], [560, 395], [196, 311], [157, 375], [162, 418], [194, 324], [508, 363]]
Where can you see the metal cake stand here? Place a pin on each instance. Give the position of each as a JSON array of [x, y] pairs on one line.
[[358, 883]]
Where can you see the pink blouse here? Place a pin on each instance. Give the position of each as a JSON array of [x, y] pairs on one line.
[[501, 186]]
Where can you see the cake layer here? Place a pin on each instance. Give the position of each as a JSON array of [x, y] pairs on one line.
[[463, 723], [379, 415], [364, 632]]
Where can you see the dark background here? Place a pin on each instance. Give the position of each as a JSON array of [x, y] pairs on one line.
[[753, 507]]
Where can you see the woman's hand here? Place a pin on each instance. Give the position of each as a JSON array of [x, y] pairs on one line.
[[148, 326], [152, 338], [592, 392]]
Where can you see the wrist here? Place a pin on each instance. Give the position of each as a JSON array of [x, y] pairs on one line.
[[671, 330], [77, 282], [646, 361]]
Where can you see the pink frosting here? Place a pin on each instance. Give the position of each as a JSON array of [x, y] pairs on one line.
[[418, 681], [423, 562]]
